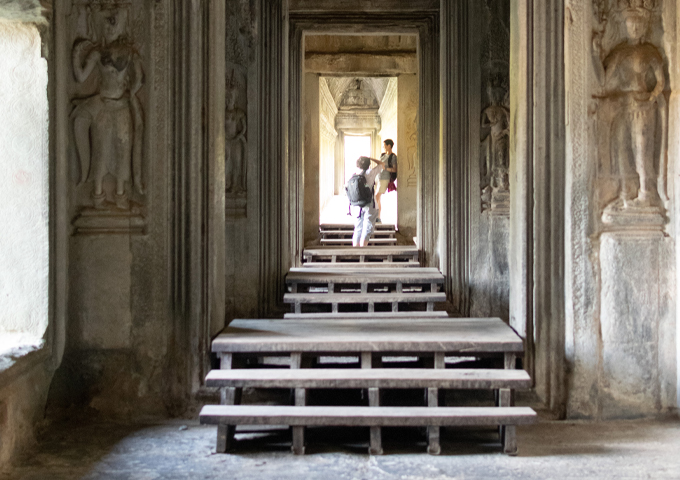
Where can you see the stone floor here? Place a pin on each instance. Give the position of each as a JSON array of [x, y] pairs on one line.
[[181, 450]]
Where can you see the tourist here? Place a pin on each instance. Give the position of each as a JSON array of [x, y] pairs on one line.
[[388, 175], [362, 203]]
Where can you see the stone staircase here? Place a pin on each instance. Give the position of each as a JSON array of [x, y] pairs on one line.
[[340, 234], [365, 320]]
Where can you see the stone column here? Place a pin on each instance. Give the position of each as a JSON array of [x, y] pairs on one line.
[[407, 142], [311, 156], [620, 307]]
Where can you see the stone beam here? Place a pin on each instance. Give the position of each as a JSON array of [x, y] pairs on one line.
[[361, 64], [364, 6]]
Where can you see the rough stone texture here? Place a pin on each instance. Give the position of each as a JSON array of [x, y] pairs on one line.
[[620, 306], [170, 451], [637, 326], [22, 407], [29, 11]]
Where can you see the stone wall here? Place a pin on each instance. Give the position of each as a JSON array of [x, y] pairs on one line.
[[489, 177], [27, 349], [621, 209]]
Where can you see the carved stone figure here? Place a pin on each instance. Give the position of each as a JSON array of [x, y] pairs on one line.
[[235, 143], [108, 126], [632, 82], [496, 165]]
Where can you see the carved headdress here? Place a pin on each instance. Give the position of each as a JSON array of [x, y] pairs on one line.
[[637, 8]]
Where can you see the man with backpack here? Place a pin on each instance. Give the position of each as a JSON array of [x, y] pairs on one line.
[[359, 190]]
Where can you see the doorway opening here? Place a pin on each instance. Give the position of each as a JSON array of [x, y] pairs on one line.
[[355, 146], [368, 92]]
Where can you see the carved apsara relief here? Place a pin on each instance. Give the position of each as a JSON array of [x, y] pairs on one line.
[[631, 114], [241, 31], [495, 118], [107, 120], [235, 142]]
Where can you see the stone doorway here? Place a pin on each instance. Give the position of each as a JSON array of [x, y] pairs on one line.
[[359, 90], [383, 65]]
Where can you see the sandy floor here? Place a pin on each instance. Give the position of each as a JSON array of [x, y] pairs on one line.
[[181, 450]]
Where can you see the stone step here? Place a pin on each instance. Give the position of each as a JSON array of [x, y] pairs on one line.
[[453, 336], [355, 269], [363, 265], [349, 226], [364, 254], [348, 241], [415, 316], [368, 298], [338, 416], [349, 233], [370, 378], [360, 275]]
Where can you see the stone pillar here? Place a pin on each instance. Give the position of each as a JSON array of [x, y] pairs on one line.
[[311, 156], [620, 307], [637, 325], [407, 154]]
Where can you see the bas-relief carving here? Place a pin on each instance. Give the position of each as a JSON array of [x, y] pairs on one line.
[[358, 97], [496, 151], [412, 150], [495, 148], [631, 115], [235, 142], [241, 32], [107, 125]]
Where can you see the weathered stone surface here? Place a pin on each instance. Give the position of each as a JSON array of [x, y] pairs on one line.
[[424, 335], [30, 11], [370, 378], [365, 416], [634, 311]]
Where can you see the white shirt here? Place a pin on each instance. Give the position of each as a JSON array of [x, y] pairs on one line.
[[370, 180]]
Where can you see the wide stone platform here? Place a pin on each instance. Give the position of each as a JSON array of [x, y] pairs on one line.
[[450, 335], [376, 345]]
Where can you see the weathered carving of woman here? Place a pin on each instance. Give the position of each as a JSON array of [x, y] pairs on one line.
[[496, 120], [235, 143], [632, 83], [108, 126]]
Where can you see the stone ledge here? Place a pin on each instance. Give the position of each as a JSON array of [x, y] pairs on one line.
[[17, 361]]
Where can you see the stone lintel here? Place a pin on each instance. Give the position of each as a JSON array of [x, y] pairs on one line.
[[361, 64]]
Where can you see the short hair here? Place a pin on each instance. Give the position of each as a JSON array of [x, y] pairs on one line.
[[363, 163], [389, 142]]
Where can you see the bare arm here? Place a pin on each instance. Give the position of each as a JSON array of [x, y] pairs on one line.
[[82, 70], [660, 79], [379, 162]]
